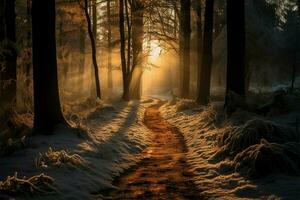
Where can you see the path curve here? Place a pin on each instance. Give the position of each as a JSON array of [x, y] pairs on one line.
[[163, 171]]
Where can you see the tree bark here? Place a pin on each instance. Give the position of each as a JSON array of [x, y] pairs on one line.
[[109, 52], [235, 47], [185, 38], [297, 49], [47, 109], [28, 39], [198, 8], [298, 8], [93, 44], [94, 18], [82, 34], [2, 21], [2, 37], [137, 11], [207, 56], [123, 51], [9, 63], [128, 22]]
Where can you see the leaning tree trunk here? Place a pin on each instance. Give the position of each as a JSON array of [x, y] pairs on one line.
[[185, 38], [207, 57], [47, 109], [109, 52], [137, 49], [235, 47], [93, 44]]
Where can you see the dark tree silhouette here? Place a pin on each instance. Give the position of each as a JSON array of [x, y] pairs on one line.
[[109, 47], [2, 22], [198, 8], [93, 43], [184, 43], [28, 39], [8, 68], [123, 51], [297, 49], [299, 8], [207, 57], [235, 47], [47, 109], [82, 36], [137, 11]]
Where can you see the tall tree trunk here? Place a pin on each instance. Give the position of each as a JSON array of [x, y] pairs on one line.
[[198, 8], [28, 40], [47, 109], [82, 34], [207, 57], [93, 44], [122, 51], [137, 10], [298, 8], [297, 49], [2, 21], [94, 18], [9, 70], [109, 52], [2, 36], [185, 38], [235, 47], [128, 22]]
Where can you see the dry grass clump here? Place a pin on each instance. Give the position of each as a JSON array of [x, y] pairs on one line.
[[14, 132], [58, 159], [173, 101], [100, 110], [147, 101], [41, 184], [266, 158], [185, 104], [235, 139]]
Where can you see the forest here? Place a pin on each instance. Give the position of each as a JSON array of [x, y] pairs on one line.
[[150, 99]]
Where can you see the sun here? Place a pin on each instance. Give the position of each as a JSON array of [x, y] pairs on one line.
[[155, 51]]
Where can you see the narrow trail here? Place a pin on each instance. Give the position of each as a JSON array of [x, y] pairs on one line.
[[162, 172]]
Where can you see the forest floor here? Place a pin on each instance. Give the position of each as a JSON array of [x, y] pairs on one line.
[[150, 149], [162, 172]]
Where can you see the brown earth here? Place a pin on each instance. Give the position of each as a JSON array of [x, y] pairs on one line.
[[163, 172]]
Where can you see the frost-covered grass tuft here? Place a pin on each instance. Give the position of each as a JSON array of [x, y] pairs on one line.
[[235, 139], [39, 184], [266, 158], [14, 132], [225, 152], [100, 110], [58, 158], [185, 104]]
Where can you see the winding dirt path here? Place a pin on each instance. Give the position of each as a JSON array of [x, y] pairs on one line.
[[163, 172]]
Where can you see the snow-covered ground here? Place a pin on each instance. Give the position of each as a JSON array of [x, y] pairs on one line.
[[84, 162], [217, 176]]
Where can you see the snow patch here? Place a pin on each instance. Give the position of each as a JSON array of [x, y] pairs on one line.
[[253, 145]]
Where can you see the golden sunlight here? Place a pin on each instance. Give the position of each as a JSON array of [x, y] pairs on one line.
[[155, 52]]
